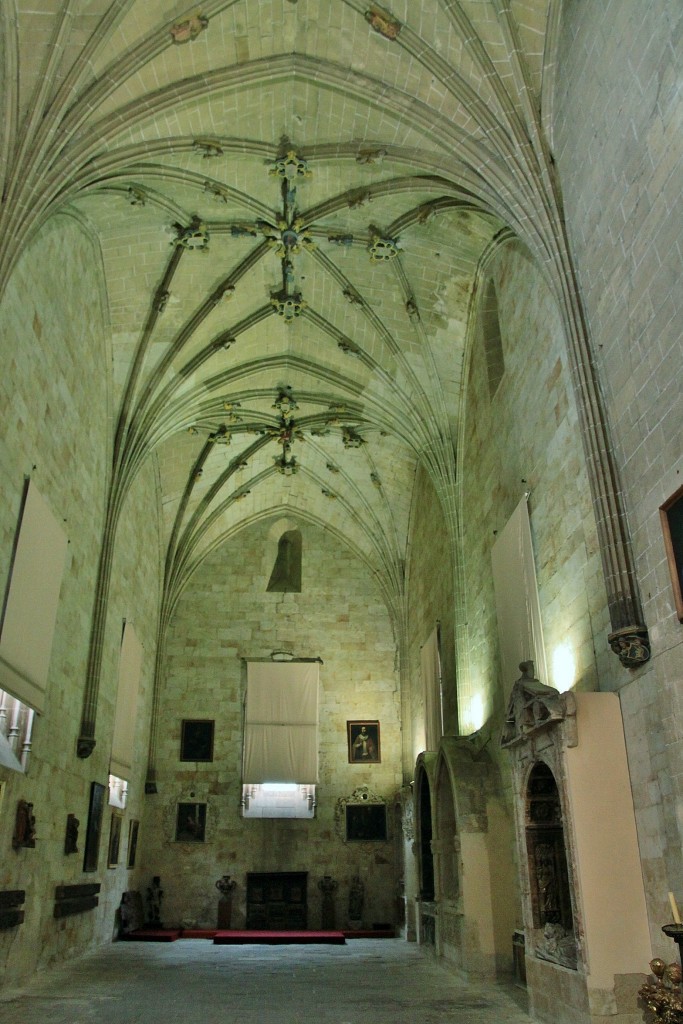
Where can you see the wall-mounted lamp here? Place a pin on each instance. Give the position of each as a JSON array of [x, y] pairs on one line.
[[564, 668]]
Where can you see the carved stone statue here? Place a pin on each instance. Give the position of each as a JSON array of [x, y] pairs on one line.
[[328, 888], [130, 912], [226, 886], [558, 945], [24, 827], [356, 900], [547, 882], [155, 895]]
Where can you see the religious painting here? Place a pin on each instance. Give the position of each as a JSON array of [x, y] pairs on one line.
[[363, 738], [196, 740], [114, 839], [133, 829], [92, 837], [190, 823], [366, 822]]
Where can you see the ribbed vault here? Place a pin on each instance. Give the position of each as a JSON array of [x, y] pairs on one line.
[[292, 199]]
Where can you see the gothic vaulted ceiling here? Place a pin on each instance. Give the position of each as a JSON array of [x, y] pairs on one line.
[[292, 198]]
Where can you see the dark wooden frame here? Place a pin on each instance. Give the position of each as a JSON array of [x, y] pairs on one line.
[[92, 837], [353, 730], [114, 851], [133, 829], [674, 547], [187, 812], [366, 823], [196, 739]]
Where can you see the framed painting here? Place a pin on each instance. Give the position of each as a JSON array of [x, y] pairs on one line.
[[366, 823], [133, 829], [98, 795], [190, 823], [114, 839], [363, 740], [196, 739]]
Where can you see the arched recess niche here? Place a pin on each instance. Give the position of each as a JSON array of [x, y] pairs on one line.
[[283, 558], [424, 835], [447, 835], [476, 895], [550, 891], [571, 787], [463, 841]]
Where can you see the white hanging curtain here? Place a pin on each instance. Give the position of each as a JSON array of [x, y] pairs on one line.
[[431, 685], [520, 634], [281, 723], [130, 663], [30, 616]]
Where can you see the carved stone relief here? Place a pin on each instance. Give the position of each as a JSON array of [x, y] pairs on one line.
[[540, 724]]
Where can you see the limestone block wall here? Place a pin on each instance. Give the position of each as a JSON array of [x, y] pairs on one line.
[[56, 428], [525, 439], [617, 143], [225, 615], [430, 600]]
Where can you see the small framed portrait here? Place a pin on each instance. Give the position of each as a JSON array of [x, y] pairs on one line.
[[366, 823], [196, 739], [133, 829], [190, 823], [363, 740], [114, 839], [92, 835]]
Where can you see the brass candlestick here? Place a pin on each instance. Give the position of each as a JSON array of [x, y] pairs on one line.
[[663, 998]]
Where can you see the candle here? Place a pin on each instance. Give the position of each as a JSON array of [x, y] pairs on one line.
[[674, 908]]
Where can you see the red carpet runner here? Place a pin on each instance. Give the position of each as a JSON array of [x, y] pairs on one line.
[[233, 938]]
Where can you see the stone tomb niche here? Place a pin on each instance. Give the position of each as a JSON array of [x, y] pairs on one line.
[[586, 931], [548, 873], [277, 900]]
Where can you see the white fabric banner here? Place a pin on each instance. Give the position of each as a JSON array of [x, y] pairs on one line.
[[518, 609], [123, 742], [281, 723], [431, 684], [30, 617]]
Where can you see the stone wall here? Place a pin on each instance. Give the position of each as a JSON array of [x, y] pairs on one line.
[[617, 143], [524, 439], [56, 364], [224, 616], [430, 600]]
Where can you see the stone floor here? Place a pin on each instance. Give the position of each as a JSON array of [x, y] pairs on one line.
[[364, 982]]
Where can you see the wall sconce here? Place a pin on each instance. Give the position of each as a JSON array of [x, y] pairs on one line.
[[564, 668], [476, 712]]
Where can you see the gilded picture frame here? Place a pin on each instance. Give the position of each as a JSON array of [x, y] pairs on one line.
[[363, 742]]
